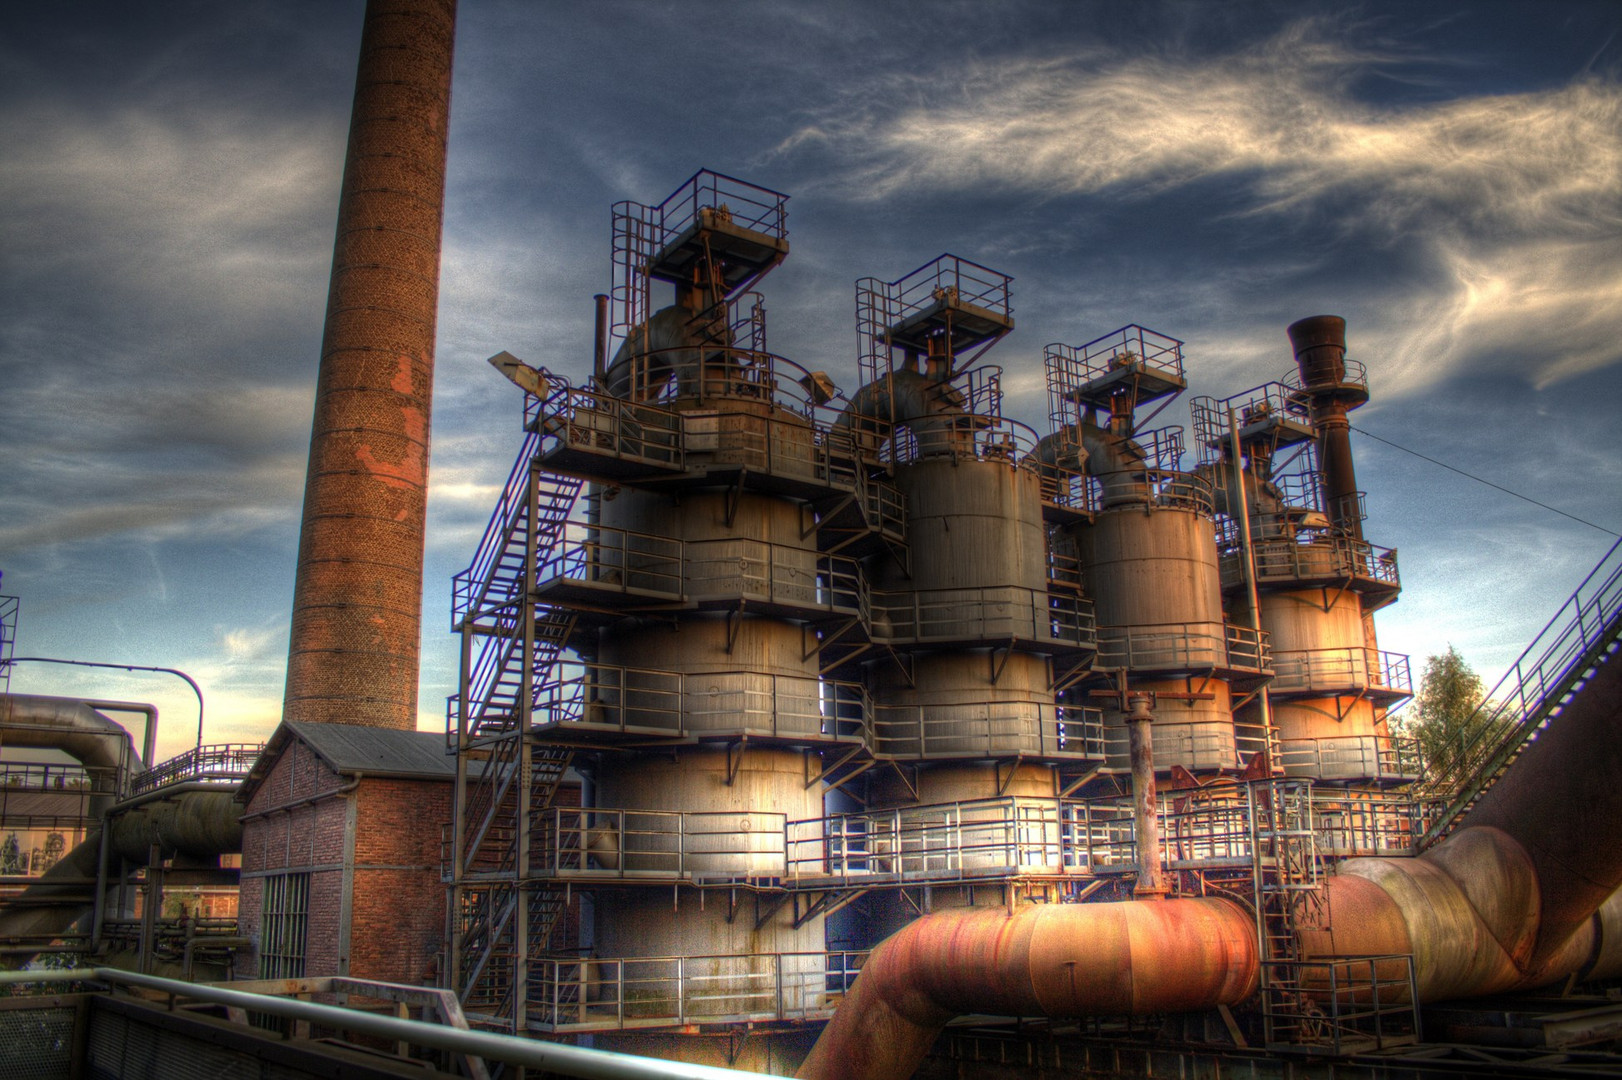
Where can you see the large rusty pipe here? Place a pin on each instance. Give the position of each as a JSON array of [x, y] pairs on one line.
[[357, 603], [1046, 960], [1319, 343]]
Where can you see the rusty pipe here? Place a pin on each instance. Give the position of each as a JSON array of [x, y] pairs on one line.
[[1052, 960], [357, 603], [1151, 883]]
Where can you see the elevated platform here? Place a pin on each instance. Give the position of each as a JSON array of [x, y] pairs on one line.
[[1133, 362]]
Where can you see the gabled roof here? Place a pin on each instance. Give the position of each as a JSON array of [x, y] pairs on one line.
[[355, 749]]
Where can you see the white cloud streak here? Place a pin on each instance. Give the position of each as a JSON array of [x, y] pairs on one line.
[[1514, 200]]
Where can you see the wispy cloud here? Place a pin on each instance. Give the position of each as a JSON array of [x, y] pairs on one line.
[[1512, 202]]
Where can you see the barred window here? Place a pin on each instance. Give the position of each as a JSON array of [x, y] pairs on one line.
[[285, 919]]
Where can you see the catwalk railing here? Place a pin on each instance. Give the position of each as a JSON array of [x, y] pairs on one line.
[[607, 994], [1530, 693], [971, 840], [226, 764]]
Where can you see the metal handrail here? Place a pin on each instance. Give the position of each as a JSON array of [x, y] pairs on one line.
[[675, 704], [969, 839], [1386, 757], [976, 729], [1332, 670], [989, 613], [1317, 558], [1527, 695], [469, 587], [545, 1057], [1073, 366], [613, 993], [49, 776], [605, 842], [1186, 646], [227, 763]]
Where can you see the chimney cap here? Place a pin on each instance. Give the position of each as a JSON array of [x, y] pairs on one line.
[[1317, 331]]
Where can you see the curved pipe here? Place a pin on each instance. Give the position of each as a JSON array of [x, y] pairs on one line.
[[1266, 501], [199, 820], [1050, 960], [928, 407], [72, 726], [1523, 894], [1118, 463]]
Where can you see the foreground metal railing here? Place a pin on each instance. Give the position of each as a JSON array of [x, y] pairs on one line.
[[452, 1035]]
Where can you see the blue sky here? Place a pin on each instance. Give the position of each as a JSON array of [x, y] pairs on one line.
[[1447, 177]]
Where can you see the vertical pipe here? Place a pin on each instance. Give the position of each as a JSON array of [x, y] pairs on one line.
[[599, 354], [98, 911], [357, 602], [1248, 562], [1145, 810]]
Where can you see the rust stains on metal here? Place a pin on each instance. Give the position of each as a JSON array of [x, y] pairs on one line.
[[1053, 960], [358, 595]]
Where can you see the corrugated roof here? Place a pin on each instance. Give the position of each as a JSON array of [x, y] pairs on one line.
[[352, 748]]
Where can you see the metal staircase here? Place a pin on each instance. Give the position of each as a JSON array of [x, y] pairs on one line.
[[1554, 669], [510, 776], [494, 579]]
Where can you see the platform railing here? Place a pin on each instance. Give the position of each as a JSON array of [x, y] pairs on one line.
[[987, 729], [613, 559], [1328, 671], [608, 843], [1191, 646], [1323, 557], [1344, 1005], [600, 424], [614, 993], [744, 204], [1366, 823], [959, 841], [649, 701], [226, 764], [31, 776], [1343, 757], [992, 613], [1073, 366]]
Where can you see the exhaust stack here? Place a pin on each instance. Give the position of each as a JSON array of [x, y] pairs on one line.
[[357, 602], [1319, 344]]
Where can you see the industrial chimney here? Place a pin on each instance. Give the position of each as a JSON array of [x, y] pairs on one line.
[[357, 599], [1319, 343]]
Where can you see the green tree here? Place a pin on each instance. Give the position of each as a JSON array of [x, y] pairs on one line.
[[1442, 717]]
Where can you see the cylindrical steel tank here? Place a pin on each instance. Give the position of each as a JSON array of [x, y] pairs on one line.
[[1153, 575], [713, 811]]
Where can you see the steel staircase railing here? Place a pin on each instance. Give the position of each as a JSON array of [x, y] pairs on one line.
[[1549, 674]]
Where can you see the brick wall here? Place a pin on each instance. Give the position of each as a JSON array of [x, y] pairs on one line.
[[398, 918], [303, 838]]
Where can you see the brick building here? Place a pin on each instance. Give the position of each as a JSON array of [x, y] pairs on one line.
[[340, 853]]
